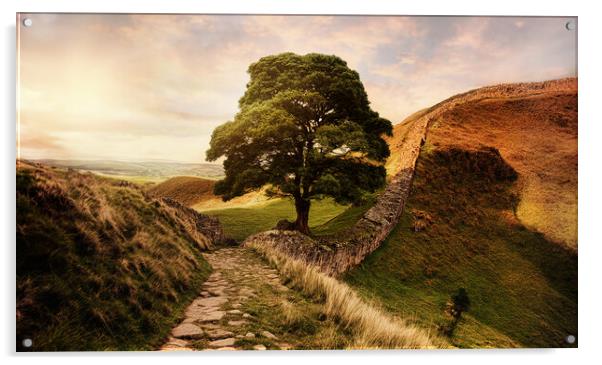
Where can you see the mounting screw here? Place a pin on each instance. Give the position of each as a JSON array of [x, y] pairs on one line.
[[570, 25], [27, 22]]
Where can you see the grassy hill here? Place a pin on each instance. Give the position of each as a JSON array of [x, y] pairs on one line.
[[489, 154], [537, 136], [187, 190], [99, 264]]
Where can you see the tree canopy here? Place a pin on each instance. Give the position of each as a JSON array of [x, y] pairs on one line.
[[305, 129]]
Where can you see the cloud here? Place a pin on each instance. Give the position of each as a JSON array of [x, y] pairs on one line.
[[155, 86]]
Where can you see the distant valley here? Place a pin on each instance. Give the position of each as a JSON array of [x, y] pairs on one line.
[[140, 172]]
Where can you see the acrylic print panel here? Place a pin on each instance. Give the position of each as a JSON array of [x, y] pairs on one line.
[[250, 182]]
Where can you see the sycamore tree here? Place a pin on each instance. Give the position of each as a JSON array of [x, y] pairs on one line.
[[305, 130]]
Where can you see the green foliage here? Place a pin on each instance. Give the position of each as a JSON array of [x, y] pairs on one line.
[[305, 127], [523, 288]]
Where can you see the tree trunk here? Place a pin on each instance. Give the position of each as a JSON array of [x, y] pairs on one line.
[[302, 222]]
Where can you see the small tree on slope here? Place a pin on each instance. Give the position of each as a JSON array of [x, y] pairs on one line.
[[305, 128], [458, 304]]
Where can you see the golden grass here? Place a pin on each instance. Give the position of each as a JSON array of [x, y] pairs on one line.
[[372, 327], [534, 126], [291, 314], [537, 135], [252, 199], [187, 190]]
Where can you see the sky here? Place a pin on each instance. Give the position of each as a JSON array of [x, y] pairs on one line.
[[153, 87]]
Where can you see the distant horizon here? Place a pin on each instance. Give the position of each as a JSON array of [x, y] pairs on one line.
[[135, 88], [121, 160]]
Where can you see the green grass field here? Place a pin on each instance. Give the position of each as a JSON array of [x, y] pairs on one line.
[[523, 288], [239, 223], [345, 220]]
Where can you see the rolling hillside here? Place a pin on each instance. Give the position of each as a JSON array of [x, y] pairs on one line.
[[100, 265], [534, 126], [197, 193], [537, 136], [187, 190], [489, 155]]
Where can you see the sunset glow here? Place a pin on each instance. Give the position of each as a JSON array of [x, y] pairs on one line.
[[147, 87]]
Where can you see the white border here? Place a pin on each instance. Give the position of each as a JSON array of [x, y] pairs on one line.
[[590, 120]]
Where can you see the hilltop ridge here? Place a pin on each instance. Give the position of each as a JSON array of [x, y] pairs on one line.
[[534, 126]]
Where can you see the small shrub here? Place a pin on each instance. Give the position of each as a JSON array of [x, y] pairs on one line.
[[422, 220], [458, 304]]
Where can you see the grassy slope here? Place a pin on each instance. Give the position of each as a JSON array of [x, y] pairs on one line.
[[99, 266], [248, 200], [357, 323], [523, 288], [537, 135], [239, 223], [187, 190], [346, 219]]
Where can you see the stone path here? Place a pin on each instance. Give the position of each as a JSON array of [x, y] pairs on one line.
[[217, 320]]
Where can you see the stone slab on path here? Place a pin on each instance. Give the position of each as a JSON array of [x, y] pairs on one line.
[[223, 343], [210, 302], [218, 334], [187, 330], [212, 316]]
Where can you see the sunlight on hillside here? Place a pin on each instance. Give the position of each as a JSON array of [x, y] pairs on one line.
[[537, 135]]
